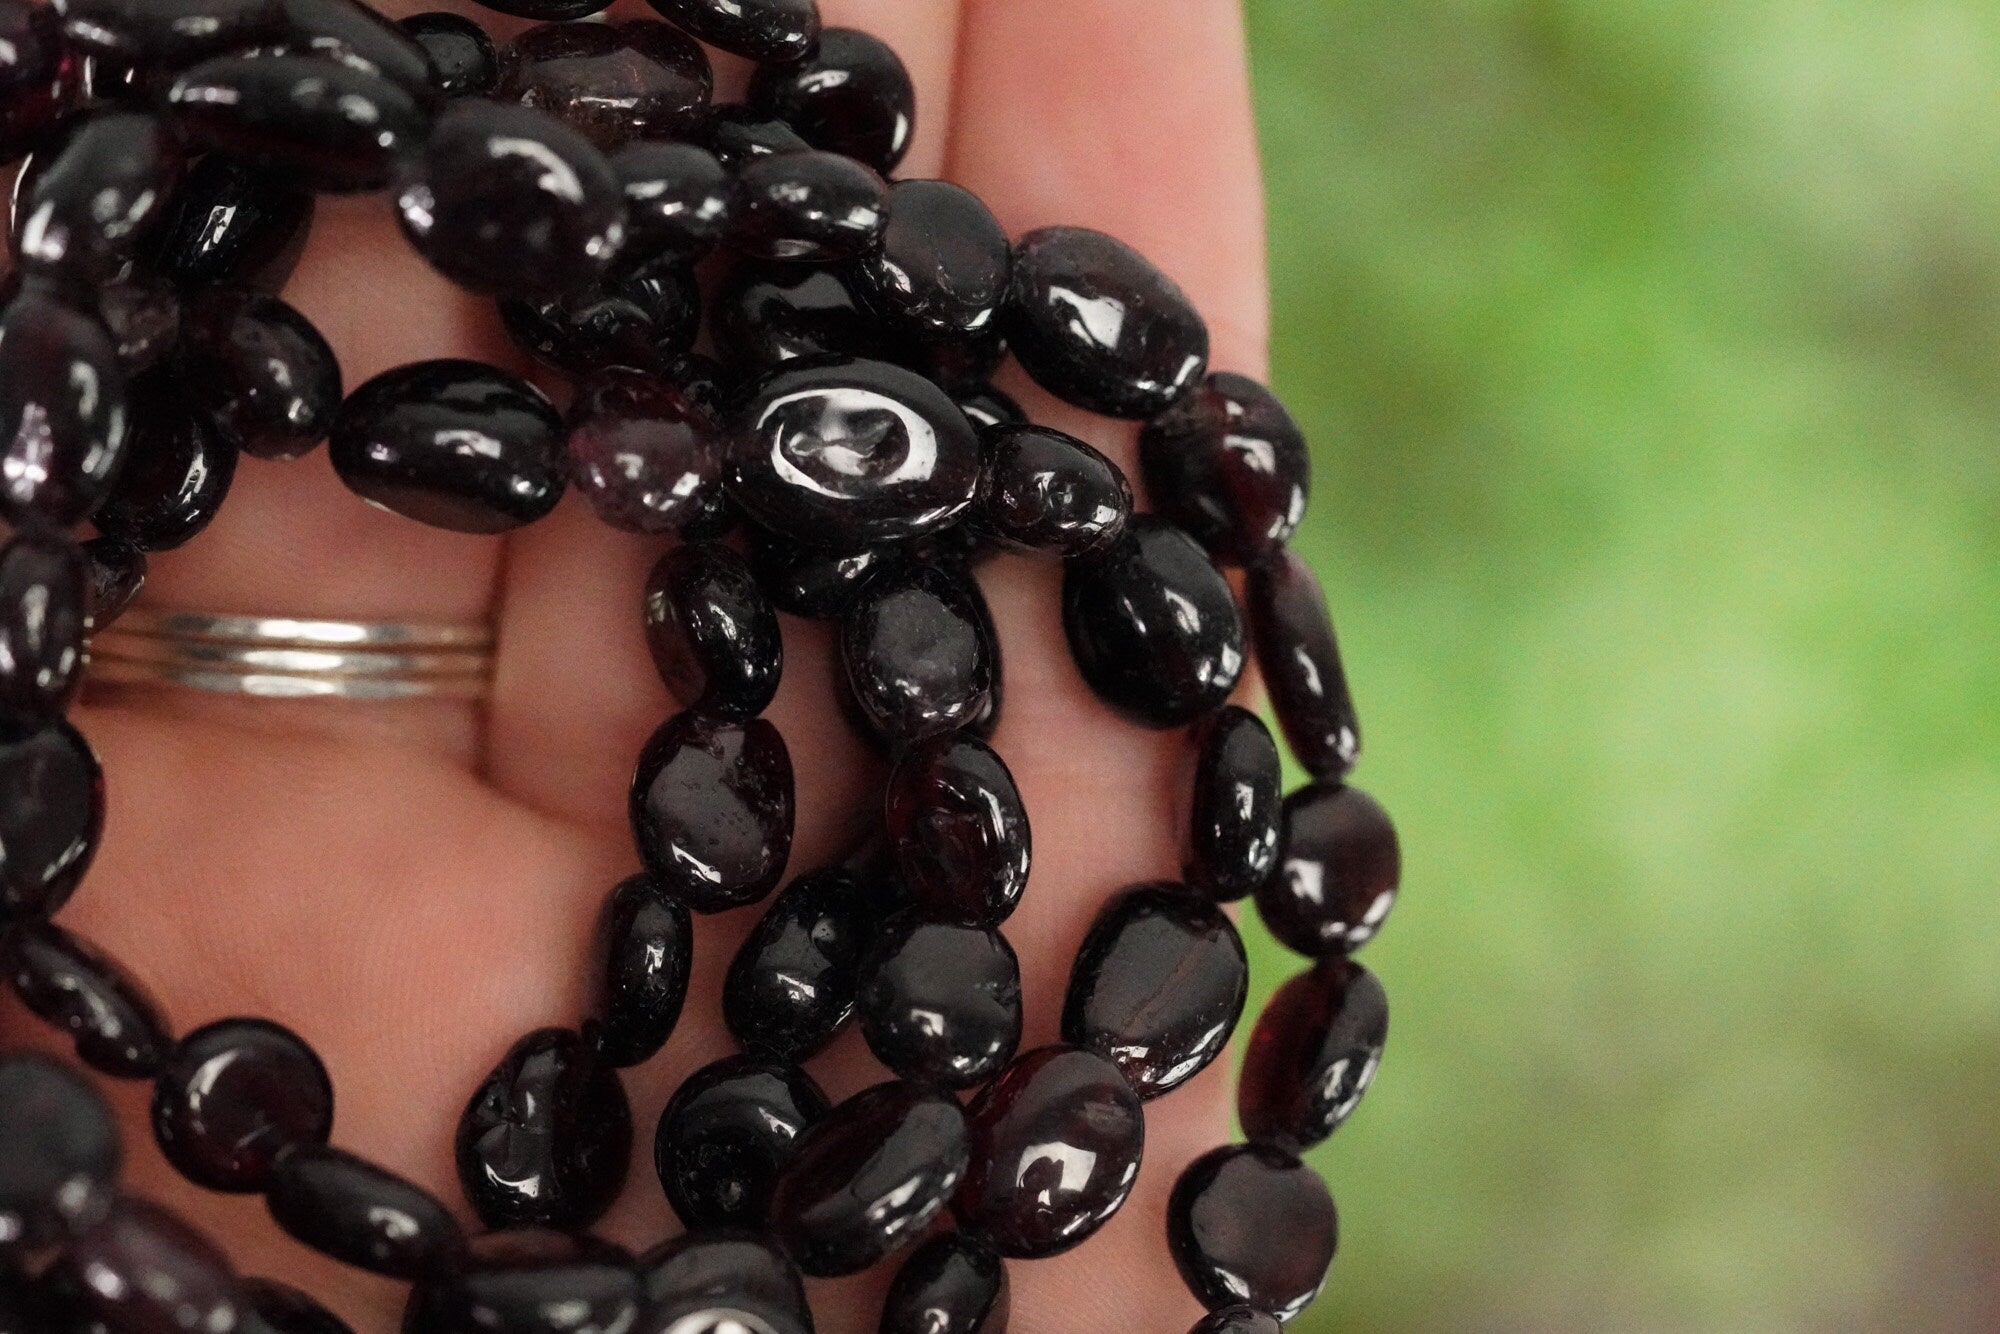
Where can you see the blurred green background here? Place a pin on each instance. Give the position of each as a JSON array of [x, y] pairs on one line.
[[1651, 353]]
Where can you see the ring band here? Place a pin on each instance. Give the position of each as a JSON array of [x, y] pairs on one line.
[[285, 657]]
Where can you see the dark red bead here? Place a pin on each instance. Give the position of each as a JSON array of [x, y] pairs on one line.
[[942, 267], [807, 207], [771, 31], [117, 571], [286, 1310], [41, 78], [547, 1137], [51, 813], [530, 1281], [960, 829], [464, 61], [1057, 1142], [142, 313], [1338, 871], [676, 199], [79, 990], [63, 411], [1313, 1054], [726, 1135], [852, 95], [548, 11], [261, 372], [60, 1156], [168, 34], [916, 654], [793, 983], [986, 406], [806, 581], [642, 317], [351, 33], [1097, 325], [145, 1271], [1225, 1212], [44, 599], [712, 810], [644, 454], [1237, 1320], [646, 941], [331, 126], [1043, 491], [1230, 465], [1300, 661], [952, 1284], [178, 473], [1236, 807], [613, 82], [95, 201], [236, 1095], [230, 224], [766, 313], [942, 1002], [869, 1178], [722, 1281], [739, 135], [713, 634], [360, 1214]]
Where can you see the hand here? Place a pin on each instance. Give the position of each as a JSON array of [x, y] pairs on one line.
[[411, 888]]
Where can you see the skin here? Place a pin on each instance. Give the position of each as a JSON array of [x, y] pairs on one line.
[[411, 888]]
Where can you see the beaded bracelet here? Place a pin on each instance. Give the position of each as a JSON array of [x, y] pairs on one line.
[[847, 430]]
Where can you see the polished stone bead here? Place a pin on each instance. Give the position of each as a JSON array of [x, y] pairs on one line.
[[1339, 866], [454, 444], [1237, 1320], [332, 126], [646, 940], [613, 82], [646, 457], [739, 135], [1041, 490], [942, 1002], [351, 33], [63, 410], [1313, 1054], [530, 1281], [727, 1133], [915, 653], [143, 1270], [952, 1284], [1097, 325], [260, 372], [1225, 1211], [360, 1214], [546, 1138], [805, 581], [960, 829], [1299, 657], [142, 313], [1235, 807], [510, 201], [869, 1178], [943, 263], [88, 210], [638, 318], [1056, 1146], [51, 813], [676, 199], [60, 1156], [230, 224], [712, 810], [813, 207], [283, 1309], [1153, 625], [1228, 464], [44, 599], [793, 982], [167, 34], [83, 992], [721, 1281], [41, 76], [463, 58], [234, 1096], [177, 475], [548, 11], [116, 571], [847, 454], [852, 95], [986, 406], [766, 313], [1158, 986], [770, 31]]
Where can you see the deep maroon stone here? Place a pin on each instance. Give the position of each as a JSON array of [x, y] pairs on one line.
[[41, 78], [63, 410], [793, 983], [144, 1270], [712, 810], [168, 34], [943, 263], [641, 317], [813, 207], [59, 1159], [806, 581], [852, 95], [117, 571], [259, 371], [701, 1281], [727, 1133], [646, 940], [1041, 490], [454, 444], [739, 135], [548, 11], [952, 1284], [1313, 1054], [51, 813], [1153, 625], [676, 199], [869, 1178], [286, 1310], [232, 224], [1056, 1145], [1338, 871], [361, 1214], [915, 653], [771, 31], [95, 201], [986, 406], [1228, 464], [1097, 325], [1299, 657], [546, 1138], [646, 457], [78, 989], [44, 599], [333, 127], [612, 82], [766, 313], [530, 1281], [351, 33], [942, 1002], [1237, 1320], [463, 58], [142, 313], [1227, 1208], [1235, 807], [178, 473], [960, 829], [235, 1095]]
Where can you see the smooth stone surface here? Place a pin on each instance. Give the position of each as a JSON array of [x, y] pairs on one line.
[[260, 372], [177, 473], [713, 634], [1313, 1054], [727, 1133], [360, 1214], [454, 444], [352, 33], [1056, 1147], [51, 813], [1237, 1320], [640, 317], [612, 82], [1225, 1211], [80, 991], [646, 940], [1041, 490], [676, 199], [142, 313], [88, 211], [44, 598], [116, 571], [530, 1281], [235, 1095], [952, 1284], [63, 410], [1154, 626], [643, 452], [793, 982], [809, 207], [701, 1281], [960, 829], [852, 95], [333, 127], [60, 1156], [547, 1137], [1339, 867], [1097, 325], [942, 1002], [915, 652], [1235, 806], [765, 313], [144, 1270], [167, 34], [1228, 464], [1299, 657], [806, 581], [985, 406], [869, 1178], [41, 78], [769, 31], [548, 11], [943, 264], [230, 224], [286, 1310], [739, 135], [463, 59], [712, 810]]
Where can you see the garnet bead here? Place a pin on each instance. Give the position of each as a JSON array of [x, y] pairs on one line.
[[768, 31], [1057, 1142], [942, 1002], [1097, 325], [548, 11], [144, 1270], [1236, 807], [986, 406], [285, 1310], [1237, 1320], [727, 1133], [261, 372], [78, 989], [852, 95], [792, 984], [359, 1214], [1228, 464], [235, 1096], [142, 313], [351, 33], [40, 77], [167, 34], [117, 571], [767, 313], [916, 653], [612, 82], [943, 264], [640, 317], [869, 1178], [1338, 870], [530, 1281], [647, 944], [1153, 625], [44, 598], [454, 444], [462, 56], [332, 126], [676, 199], [1313, 1054], [59, 1158], [960, 829], [805, 581], [230, 224], [952, 1284], [177, 476], [1300, 661], [739, 135], [1041, 490], [646, 457], [722, 1281], [63, 412], [713, 634], [51, 813], [546, 1139], [811, 206], [88, 210], [1225, 1212], [712, 810]]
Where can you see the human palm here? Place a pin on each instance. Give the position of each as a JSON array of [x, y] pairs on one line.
[[412, 887]]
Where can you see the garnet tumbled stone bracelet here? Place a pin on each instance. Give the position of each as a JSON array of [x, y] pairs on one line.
[[846, 433]]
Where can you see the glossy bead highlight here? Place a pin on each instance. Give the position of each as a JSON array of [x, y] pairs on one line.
[[235, 1096], [1339, 869]]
